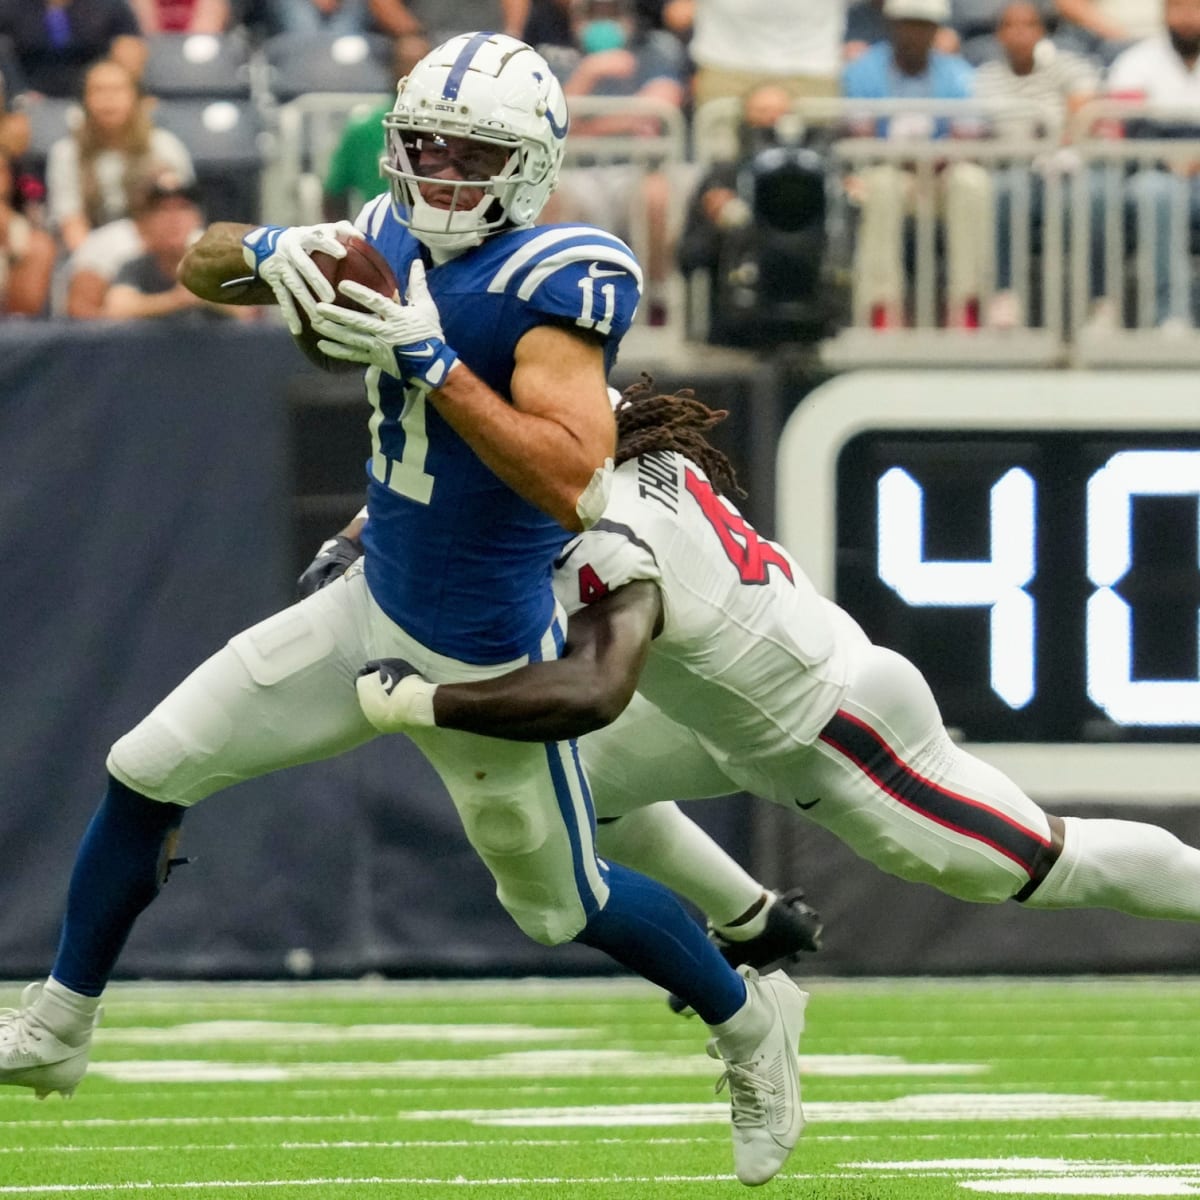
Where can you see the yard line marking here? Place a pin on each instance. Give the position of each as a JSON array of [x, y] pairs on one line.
[[514, 1064], [393, 1144], [350, 1181], [206, 1032], [933, 1107]]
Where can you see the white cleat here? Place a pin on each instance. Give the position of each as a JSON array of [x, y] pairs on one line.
[[33, 1056], [764, 1088]]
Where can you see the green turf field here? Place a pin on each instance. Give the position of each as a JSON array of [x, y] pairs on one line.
[[914, 1089]]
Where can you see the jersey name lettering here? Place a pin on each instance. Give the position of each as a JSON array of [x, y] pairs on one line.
[[591, 586], [749, 553], [658, 480]]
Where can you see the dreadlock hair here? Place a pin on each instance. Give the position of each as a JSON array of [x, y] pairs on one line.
[[647, 422]]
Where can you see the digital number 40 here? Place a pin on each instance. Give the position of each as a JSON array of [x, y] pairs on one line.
[[999, 582]]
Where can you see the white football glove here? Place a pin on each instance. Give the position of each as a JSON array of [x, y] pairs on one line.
[[394, 696], [403, 339], [282, 258]]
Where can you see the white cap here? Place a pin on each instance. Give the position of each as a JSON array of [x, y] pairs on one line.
[[937, 11]]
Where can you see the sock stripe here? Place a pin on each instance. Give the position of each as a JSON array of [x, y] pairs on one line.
[[869, 751]]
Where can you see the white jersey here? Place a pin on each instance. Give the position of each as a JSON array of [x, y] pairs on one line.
[[749, 656]]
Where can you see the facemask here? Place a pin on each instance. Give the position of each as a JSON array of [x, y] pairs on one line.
[[1185, 46], [602, 35]]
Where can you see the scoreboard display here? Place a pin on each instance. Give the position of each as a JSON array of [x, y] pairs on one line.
[[1031, 540]]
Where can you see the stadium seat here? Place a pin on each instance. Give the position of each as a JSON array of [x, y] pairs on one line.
[[301, 62], [199, 65], [224, 138], [50, 118]]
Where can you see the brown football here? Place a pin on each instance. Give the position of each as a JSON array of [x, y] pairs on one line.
[[364, 264]]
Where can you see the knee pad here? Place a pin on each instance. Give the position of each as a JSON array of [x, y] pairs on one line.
[[503, 827], [155, 761]]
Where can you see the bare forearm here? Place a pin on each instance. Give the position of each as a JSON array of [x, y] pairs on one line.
[[1086, 14], [394, 17], [587, 689], [127, 303], [538, 457], [544, 702], [215, 260]]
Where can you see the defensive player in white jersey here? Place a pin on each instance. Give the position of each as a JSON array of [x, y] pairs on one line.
[[490, 427], [747, 679]]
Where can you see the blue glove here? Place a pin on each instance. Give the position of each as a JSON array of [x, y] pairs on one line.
[[403, 339]]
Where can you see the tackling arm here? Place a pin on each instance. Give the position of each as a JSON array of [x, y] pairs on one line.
[[586, 689]]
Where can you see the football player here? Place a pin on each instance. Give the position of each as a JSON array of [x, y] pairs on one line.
[[748, 679], [490, 428]]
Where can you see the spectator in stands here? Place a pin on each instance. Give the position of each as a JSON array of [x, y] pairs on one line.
[[1101, 29], [55, 41], [715, 208], [168, 220], [620, 59], [354, 175], [26, 255], [93, 267], [1050, 81], [907, 67], [14, 127], [866, 25], [90, 171], [1164, 69], [740, 254], [322, 16], [441, 19], [738, 44], [548, 22], [182, 16]]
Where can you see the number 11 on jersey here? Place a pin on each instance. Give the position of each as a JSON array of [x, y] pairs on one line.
[[406, 475]]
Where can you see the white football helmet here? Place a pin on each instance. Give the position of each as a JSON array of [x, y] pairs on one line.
[[494, 92]]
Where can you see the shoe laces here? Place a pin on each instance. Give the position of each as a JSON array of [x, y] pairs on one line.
[[748, 1092], [18, 1030]]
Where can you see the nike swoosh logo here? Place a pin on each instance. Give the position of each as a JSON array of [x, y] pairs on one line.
[[810, 804], [425, 350], [560, 561], [596, 271]]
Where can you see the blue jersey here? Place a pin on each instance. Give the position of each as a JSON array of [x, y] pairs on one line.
[[454, 555]]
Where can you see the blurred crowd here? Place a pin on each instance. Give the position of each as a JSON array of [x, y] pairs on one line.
[[100, 196]]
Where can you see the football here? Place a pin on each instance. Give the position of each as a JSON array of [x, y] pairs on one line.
[[364, 264]]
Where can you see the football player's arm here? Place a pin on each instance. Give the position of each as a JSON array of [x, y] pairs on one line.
[[549, 443], [586, 689], [217, 259]]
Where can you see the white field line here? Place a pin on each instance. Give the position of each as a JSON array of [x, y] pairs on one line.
[[250, 1186], [990, 1138], [1148, 1183], [397, 1144], [953, 1107], [518, 1064]]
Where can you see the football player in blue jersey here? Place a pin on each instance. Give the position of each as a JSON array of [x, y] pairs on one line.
[[491, 437]]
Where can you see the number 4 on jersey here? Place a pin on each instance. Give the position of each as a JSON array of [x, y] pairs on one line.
[[749, 553], [591, 586]]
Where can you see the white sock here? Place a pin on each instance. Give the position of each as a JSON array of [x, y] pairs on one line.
[[1125, 865], [69, 1015], [661, 842], [737, 1037]]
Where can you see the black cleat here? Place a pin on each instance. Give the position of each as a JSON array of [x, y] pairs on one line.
[[792, 928]]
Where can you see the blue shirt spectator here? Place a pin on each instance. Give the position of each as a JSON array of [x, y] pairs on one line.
[[906, 67]]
